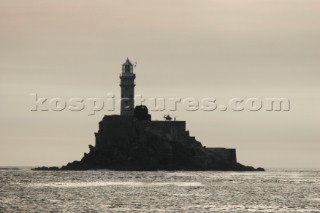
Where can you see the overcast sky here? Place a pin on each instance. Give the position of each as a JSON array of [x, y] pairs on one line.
[[200, 48]]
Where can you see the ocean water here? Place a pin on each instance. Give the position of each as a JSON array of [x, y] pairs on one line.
[[276, 190]]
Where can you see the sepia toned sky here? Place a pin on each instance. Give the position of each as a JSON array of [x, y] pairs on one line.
[[183, 48]]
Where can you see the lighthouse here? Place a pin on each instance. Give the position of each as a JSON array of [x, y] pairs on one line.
[[127, 85]]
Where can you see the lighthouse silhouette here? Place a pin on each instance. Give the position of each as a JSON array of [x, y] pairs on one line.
[[127, 85]]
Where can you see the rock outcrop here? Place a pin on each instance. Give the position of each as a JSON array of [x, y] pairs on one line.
[[130, 143]]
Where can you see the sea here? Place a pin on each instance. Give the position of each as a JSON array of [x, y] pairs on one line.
[[276, 190]]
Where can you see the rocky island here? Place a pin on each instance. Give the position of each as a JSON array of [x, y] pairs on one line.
[[132, 141]]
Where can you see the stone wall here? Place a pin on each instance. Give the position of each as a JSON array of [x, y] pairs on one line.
[[176, 130], [228, 155]]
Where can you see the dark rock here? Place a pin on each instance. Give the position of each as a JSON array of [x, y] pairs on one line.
[[91, 148], [260, 169], [54, 168], [128, 143], [141, 113]]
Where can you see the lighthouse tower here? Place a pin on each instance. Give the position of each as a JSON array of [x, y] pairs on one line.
[[127, 89]]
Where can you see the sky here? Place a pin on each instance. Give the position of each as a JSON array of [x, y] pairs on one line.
[[183, 48]]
